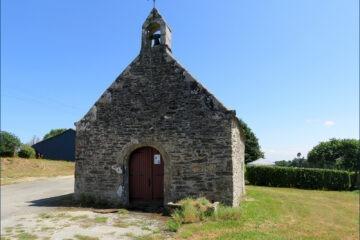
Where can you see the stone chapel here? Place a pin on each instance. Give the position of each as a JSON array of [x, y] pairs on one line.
[[156, 135]]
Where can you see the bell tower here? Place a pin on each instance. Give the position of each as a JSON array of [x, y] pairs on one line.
[[155, 32]]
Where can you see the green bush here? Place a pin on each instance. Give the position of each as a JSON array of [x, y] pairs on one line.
[[26, 152], [172, 225], [9, 143], [175, 221], [190, 213], [192, 210], [306, 178]]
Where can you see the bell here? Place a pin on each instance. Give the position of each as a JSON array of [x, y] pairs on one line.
[[156, 38]]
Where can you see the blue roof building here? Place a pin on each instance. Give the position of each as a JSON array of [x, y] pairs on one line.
[[60, 147]]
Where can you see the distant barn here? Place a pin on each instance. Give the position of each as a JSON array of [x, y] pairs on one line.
[[60, 147]]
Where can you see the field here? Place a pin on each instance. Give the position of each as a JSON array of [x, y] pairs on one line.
[[19, 169], [283, 213]]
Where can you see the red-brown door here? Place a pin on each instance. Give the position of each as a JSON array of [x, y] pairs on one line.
[[146, 175]]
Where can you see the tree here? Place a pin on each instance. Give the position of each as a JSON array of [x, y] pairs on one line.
[[252, 148], [54, 132], [298, 161], [9, 143], [283, 163], [336, 153], [35, 139]]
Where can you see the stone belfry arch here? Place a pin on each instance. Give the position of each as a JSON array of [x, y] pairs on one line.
[[153, 29]]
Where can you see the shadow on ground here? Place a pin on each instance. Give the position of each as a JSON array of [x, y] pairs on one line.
[[68, 200]]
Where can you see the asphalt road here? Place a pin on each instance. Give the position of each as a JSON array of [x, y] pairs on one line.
[[35, 196]]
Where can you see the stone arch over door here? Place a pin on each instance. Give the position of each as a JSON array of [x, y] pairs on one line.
[[124, 161]]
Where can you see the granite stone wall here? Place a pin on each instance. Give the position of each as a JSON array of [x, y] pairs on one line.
[[238, 159], [156, 102]]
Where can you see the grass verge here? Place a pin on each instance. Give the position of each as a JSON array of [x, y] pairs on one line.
[[20, 169], [282, 213]]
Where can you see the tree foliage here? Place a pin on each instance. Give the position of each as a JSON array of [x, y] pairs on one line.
[[8, 144], [298, 161], [252, 147], [26, 152], [54, 132], [35, 139], [336, 153]]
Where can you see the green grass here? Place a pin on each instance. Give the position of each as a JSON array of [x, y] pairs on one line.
[[120, 224], [79, 217], [101, 219], [123, 211], [149, 237], [84, 237], [45, 215], [26, 236], [282, 213], [19, 169]]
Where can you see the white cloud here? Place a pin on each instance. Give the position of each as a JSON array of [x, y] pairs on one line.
[[329, 123], [316, 121]]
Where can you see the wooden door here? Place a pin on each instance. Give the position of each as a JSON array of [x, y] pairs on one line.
[[146, 175]]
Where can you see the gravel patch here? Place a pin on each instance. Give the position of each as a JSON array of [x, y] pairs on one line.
[[85, 225]]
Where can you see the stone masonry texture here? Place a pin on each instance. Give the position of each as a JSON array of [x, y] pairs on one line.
[[155, 102]]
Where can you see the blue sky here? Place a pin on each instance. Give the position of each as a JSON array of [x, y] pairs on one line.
[[289, 68]]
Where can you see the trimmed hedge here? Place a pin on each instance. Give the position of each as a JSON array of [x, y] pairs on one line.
[[306, 178], [355, 181]]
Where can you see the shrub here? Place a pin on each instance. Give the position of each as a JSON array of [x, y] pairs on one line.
[[190, 213], [8, 144], [26, 152], [192, 210], [172, 225], [306, 178], [175, 221]]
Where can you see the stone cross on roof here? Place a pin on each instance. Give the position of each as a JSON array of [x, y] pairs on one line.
[[154, 3]]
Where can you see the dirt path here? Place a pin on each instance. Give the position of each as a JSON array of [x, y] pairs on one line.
[[33, 197], [43, 209]]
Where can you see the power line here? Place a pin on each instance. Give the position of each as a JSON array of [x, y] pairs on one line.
[[45, 98], [43, 103]]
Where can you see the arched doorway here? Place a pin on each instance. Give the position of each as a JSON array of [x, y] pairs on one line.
[[146, 176]]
